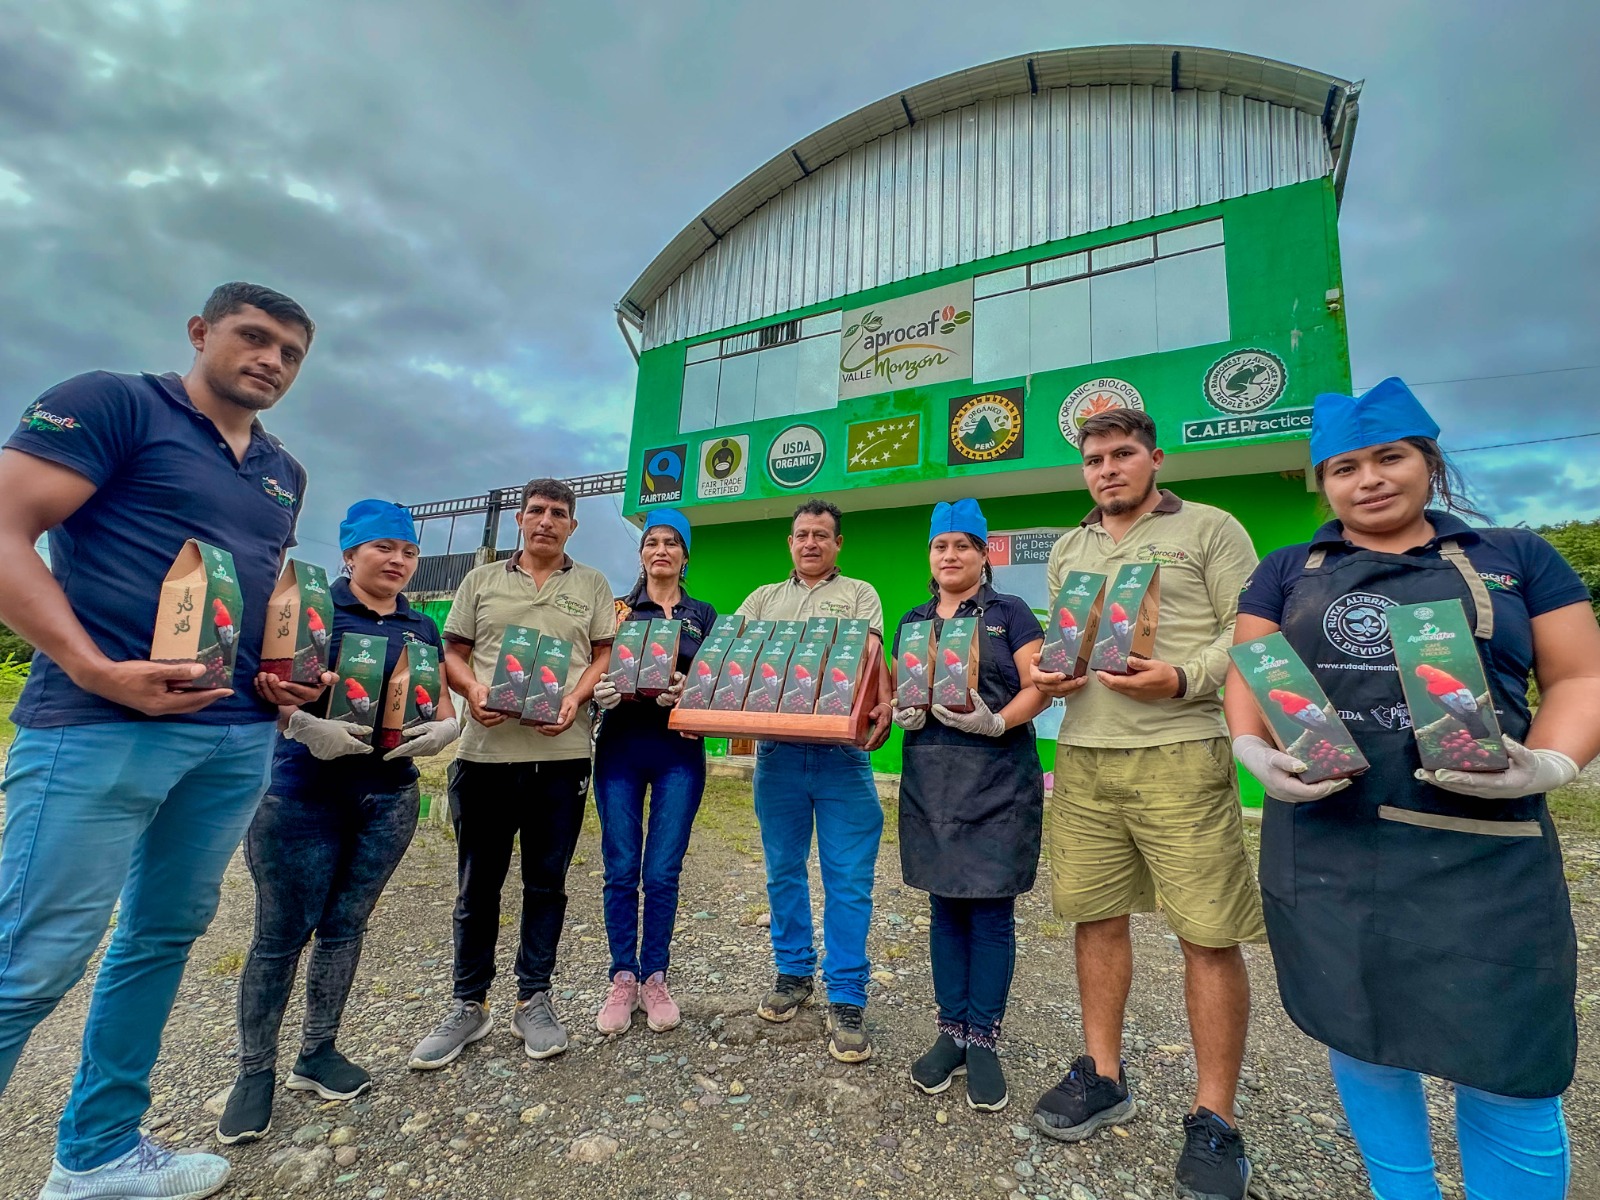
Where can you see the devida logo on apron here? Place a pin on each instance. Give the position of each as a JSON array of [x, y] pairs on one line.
[[1357, 624]]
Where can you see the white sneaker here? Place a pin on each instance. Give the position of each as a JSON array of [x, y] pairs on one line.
[[147, 1172]]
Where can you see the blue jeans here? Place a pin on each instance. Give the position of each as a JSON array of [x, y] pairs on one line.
[[973, 945], [674, 769], [148, 811], [319, 862], [1510, 1149], [829, 788]]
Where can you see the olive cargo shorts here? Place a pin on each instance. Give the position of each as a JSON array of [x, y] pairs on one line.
[[1128, 828]]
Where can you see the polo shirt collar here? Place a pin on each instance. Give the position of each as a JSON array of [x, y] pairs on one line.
[[1168, 503], [639, 596], [978, 601], [794, 577], [514, 563], [1446, 525], [172, 385], [344, 596]]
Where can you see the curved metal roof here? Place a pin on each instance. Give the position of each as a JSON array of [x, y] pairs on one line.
[[1178, 67]]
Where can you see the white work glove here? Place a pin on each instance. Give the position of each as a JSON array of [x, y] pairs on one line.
[[324, 738], [606, 694], [424, 741], [980, 720], [1531, 773], [1279, 772], [674, 693], [910, 718]]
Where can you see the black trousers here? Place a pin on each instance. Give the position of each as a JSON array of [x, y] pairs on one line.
[[490, 805]]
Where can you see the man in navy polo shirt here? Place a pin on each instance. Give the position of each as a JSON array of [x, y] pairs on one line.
[[117, 785]]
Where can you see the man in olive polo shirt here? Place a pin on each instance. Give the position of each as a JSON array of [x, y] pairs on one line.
[[829, 787], [1146, 804], [509, 778]]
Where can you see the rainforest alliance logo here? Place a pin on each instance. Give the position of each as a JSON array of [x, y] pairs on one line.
[[986, 428], [278, 492], [1246, 382], [1357, 624], [1090, 400]]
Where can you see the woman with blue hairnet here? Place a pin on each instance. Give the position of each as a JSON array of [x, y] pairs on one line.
[[1419, 919], [972, 808], [331, 829]]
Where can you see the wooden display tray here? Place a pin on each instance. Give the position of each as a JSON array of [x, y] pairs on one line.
[[787, 727]]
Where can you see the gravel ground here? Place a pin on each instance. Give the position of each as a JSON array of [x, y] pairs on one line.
[[727, 1105]]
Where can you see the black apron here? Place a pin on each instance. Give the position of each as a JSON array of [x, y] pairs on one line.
[[1413, 927], [972, 807]]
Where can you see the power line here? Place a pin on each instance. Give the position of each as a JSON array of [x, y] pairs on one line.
[[1569, 437], [1483, 378]]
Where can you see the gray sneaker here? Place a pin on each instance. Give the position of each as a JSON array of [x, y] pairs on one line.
[[467, 1022], [147, 1171], [536, 1024]]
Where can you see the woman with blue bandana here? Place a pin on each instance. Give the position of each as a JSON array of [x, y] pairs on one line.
[[972, 808], [1419, 920], [333, 826]]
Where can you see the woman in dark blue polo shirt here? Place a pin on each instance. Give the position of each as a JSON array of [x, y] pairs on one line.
[[330, 831], [1419, 920], [634, 750], [972, 809]]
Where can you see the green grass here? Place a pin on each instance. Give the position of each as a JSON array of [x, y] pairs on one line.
[[1576, 809]]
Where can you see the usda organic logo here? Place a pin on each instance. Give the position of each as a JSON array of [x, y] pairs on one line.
[[795, 456]]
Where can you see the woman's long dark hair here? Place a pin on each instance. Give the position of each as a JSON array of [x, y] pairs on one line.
[[988, 572], [1447, 488]]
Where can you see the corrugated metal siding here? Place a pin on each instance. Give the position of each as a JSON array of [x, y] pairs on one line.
[[995, 176]]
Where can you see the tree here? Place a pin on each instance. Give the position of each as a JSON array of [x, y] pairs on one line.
[[1579, 544], [13, 645]]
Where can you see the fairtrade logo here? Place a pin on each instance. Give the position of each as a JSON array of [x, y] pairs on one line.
[[1357, 624], [1246, 382], [986, 428], [1093, 398], [661, 480], [796, 455]]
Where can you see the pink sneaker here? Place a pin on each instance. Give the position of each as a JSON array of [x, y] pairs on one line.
[[616, 1014], [660, 1009]]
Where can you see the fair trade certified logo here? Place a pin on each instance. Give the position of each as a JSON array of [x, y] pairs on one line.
[[1093, 398], [724, 467], [661, 480], [796, 455], [985, 428], [1246, 382], [1357, 624]]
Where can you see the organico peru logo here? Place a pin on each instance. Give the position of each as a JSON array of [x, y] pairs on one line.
[[985, 428], [279, 493], [925, 338], [1093, 398], [661, 480], [724, 467], [1246, 382], [40, 419]]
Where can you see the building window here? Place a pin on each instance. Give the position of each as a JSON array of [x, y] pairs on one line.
[[1141, 296], [775, 371]]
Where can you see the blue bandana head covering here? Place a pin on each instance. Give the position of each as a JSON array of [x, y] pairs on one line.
[[673, 520], [369, 520], [964, 516], [1386, 412]]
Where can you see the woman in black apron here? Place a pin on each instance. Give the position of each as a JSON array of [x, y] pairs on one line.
[[972, 809], [1419, 920]]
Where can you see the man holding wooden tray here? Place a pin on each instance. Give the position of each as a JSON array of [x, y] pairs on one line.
[[829, 787]]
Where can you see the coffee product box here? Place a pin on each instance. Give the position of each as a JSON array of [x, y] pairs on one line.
[[766, 682], [1069, 632], [412, 696], [822, 629], [703, 672], [788, 631], [761, 631], [358, 696], [729, 626], [805, 669], [660, 657], [840, 678], [508, 687], [1303, 721], [955, 665], [1128, 622], [299, 624], [853, 630], [627, 652], [912, 660], [198, 616], [1452, 712], [547, 683], [737, 667]]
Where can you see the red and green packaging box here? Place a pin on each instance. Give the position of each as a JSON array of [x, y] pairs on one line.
[[701, 684], [729, 626], [766, 682], [508, 686], [912, 665], [955, 664], [627, 653], [840, 678], [299, 624], [793, 632], [1452, 712], [1128, 622], [198, 615], [1069, 633], [660, 657], [1303, 721], [547, 681], [413, 693], [358, 696], [822, 629], [853, 630], [737, 666], [806, 666]]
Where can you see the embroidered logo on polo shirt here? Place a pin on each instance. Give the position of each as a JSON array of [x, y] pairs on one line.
[[1499, 583], [1164, 554], [573, 608], [278, 492], [834, 609], [41, 419]]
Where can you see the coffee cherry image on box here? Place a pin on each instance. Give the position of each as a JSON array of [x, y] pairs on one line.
[[547, 681], [627, 652], [701, 684], [911, 683], [800, 688], [356, 697], [508, 687], [660, 658], [1128, 627], [736, 670], [955, 671], [299, 615], [1298, 713], [839, 679], [1070, 630], [1452, 713]]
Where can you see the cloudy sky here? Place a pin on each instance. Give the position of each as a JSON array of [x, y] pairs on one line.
[[459, 194]]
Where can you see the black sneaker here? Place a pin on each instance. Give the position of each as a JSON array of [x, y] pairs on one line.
[[1212, 1165], [329, 1074], [986, 1082], [1082, 1103], [933, 1072], [788, 993], [847, 1033], [248, 1114]]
